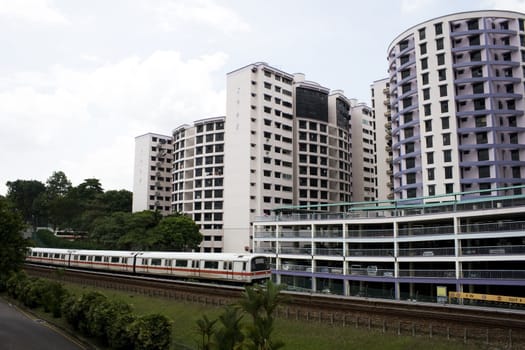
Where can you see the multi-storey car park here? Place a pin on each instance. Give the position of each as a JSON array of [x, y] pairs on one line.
[[398, 250], [456, 96]]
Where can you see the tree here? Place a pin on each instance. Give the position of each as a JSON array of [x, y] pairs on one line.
[[206, 329], [115, 201], [58, 185], [13, 246], [23, 194], [230, 335], [176, 233], [260, 303]]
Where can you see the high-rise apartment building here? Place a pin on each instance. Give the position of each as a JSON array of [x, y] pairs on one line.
[[198, 177], [457, 98], [380, 92], [287, 142], [152, 173], [364, 154]]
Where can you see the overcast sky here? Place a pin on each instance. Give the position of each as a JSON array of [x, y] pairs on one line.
[[79, 80]]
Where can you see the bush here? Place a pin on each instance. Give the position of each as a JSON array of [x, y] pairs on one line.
[[101, 316], [152, 332], [14, 284], [53, 297], [119, 335], [32, 292], [76, 310]]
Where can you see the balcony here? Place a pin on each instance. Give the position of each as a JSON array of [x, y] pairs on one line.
[[369, 252], [501, 226], [386, 233], [425, 231], [495, 274], [494, 250], [427, 252], [428, 273], [295, 251]]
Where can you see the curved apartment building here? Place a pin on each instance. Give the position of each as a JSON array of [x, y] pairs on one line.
[[456, 97]]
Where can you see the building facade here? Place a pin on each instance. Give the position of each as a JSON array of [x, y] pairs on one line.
[[364, 153], [456, 94], [152, 173], [399, 251], [198, 178], [380, 93], [288, 142]]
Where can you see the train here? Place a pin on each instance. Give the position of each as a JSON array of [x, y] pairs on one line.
[[220, 267]]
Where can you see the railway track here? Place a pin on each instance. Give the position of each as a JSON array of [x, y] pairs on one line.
[[491, 326]]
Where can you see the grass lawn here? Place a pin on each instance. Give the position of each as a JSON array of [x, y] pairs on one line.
[[295, 334]]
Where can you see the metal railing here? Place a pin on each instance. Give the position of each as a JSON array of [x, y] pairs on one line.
[[370, 233], [500, 226], [494, 274], [424, 230], [494, 250], [427, 252]]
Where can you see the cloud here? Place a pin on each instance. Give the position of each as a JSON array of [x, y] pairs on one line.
[[413, 6], [40, 11], [511, 5], [178, 14], [84, 122]]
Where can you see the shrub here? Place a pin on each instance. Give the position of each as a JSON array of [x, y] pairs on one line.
[[53, 297], [102, 315], [152, 332]]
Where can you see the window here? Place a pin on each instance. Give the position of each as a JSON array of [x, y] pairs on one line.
[[430, 157], [409, 147], [516, 172], [411, 193], [432, 190], [426, 94], [439, 44], [442, 90], [429, 141], [423, 48], [447, 155], [422, 34], [411, 178], [481, 138], [438, 28], [483, 154], [445, 123], [446, 139], [441, 59], [410, 163], [449, 188], [483, 171], [424, 78], [409, 132], [479, 104], [424, 63], [428, 125], [430, 173], [448, 172], [427, 109], [444, 106], [481, 121], [442, 74]]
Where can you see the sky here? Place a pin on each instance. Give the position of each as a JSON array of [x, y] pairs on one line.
[[79, 80]]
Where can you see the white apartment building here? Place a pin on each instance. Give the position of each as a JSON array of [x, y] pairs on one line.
[[287, 142], [380, 92], [198, 177], [152, 173], [364, 153], [457, 98]]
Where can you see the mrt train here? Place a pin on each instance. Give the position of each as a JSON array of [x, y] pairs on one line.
[[232, 268]]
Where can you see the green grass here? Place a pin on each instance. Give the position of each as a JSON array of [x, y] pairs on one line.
[[295, 334]]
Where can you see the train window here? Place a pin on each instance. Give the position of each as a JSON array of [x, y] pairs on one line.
[[259, 263], [75, 257], [167, 262], [156, 262], [90, 258], [195, 264], [44, 255], [181, 263], [115, 259], [98, 258], [34, 253], [62, 256], [106, 259], [211, 265], [83, 257], [244, 266], [57, 256]]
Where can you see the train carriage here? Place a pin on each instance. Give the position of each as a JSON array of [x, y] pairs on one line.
[[107, 260], [234, 268], [49, 256]]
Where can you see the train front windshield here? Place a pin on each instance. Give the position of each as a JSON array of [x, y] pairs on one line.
[[260, 263]]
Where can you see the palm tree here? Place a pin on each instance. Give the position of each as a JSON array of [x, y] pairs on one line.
[[206, 329], [230, 336]]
